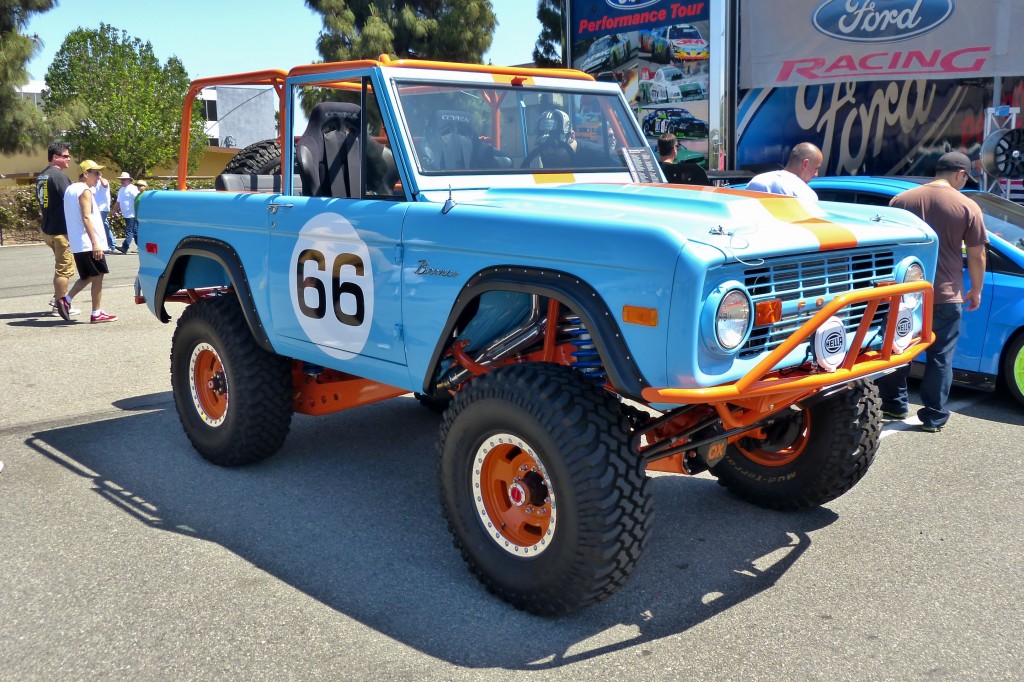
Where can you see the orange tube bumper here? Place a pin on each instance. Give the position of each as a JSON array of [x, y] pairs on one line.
[[765, 380]]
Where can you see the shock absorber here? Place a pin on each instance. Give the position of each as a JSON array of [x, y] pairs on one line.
[[586, 359]]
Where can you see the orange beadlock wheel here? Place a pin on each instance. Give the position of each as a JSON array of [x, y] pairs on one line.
[[809, 457], [785, 446], [514, 500], [209, 384]]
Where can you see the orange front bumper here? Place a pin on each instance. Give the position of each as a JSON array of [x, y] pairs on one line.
[[766, 382]]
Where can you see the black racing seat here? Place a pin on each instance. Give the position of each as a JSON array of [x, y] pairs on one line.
[[328, 151], [449, 145], [685, 173], [692, 174]]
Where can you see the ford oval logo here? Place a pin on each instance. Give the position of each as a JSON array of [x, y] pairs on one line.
[[874, 21], [631, 4], [834, 342]]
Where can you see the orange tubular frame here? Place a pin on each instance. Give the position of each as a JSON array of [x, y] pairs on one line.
[[773, 390], [276, 78], [272, 77]]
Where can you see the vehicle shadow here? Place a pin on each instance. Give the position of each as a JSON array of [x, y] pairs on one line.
[[348, 513]]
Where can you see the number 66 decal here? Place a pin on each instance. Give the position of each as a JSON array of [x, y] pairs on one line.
[[306, 284], [330, 285]]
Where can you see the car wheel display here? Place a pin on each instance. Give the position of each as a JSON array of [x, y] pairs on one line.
[[545, 502], [810, 457], [1013, 368], [234, 399]]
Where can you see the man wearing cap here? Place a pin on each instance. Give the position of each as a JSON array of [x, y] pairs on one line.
[[126, 206], [958, 221], [87, 239]]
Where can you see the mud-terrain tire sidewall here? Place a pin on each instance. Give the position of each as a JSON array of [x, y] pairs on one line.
[[259, 404], [259, 158], [1013, 369], [841, 444], [600, 489]]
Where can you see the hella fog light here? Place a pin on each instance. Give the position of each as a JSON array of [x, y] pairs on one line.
[[915, 273], [830, 344], [904, 329], [732, 319]]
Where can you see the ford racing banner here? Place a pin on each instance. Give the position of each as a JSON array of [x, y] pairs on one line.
[[820, 41]]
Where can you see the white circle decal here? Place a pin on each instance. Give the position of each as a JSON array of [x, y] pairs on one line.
[[331, 285]]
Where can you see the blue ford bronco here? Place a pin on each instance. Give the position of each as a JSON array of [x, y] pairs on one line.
[[501, 242]]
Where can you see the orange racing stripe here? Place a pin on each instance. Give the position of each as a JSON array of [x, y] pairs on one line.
[[829, 235], [553, 178]]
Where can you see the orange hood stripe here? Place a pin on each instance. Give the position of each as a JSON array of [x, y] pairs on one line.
[[829, 235]]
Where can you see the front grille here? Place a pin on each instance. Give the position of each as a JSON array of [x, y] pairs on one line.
[[810, 280]]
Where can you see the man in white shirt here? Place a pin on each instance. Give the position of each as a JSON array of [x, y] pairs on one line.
[[126, 205], [804, 162], [87, 240]]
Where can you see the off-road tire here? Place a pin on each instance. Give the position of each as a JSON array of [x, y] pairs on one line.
[[836, 444], [576, 437], [248, 419], [1013, 368], [259, 158]]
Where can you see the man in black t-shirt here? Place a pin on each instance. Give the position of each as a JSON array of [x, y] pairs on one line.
[[668, 147], [50, 186]]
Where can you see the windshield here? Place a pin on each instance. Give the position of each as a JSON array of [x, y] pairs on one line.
[[684, 33], [465, 129], [1002, 217]]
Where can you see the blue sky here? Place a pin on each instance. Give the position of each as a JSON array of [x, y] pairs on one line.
[[241, 35]]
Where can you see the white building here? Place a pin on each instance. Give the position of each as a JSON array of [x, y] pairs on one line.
[[237, 116]]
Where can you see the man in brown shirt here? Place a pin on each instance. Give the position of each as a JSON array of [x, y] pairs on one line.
[[958, 222]]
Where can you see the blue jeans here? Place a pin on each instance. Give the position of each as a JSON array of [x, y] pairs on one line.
[[938, 371], [111, 241], [131, 231]]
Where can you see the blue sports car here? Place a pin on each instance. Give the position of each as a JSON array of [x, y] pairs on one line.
[[991, 345]]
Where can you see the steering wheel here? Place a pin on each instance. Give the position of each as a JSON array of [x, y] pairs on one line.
[[548, 148]]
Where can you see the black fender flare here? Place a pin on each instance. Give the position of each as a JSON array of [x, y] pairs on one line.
[[225, 255], [569, 290]]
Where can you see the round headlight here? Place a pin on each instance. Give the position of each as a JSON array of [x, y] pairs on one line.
[[732, 319], [915, 273]]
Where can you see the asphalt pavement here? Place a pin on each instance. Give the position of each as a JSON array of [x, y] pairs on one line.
[[124, 554]]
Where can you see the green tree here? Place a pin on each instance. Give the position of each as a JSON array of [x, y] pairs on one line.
[[447, 30], [548, 50], [117, 102], [450, 30], [22, 126]]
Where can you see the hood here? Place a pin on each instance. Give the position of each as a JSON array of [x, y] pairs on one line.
[[741, 224]]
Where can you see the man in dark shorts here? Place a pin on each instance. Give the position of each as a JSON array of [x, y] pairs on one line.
[[51, 184], [87, 239]]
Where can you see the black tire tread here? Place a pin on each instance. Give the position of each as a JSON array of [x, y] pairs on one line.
[[610, 482], [841, 453], [258, 158], [260, 385]]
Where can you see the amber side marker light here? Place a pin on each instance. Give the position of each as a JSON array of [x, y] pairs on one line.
[[768, 312], [647, 317]]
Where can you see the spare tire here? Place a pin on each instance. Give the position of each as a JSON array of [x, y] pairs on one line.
[[259, 158]]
